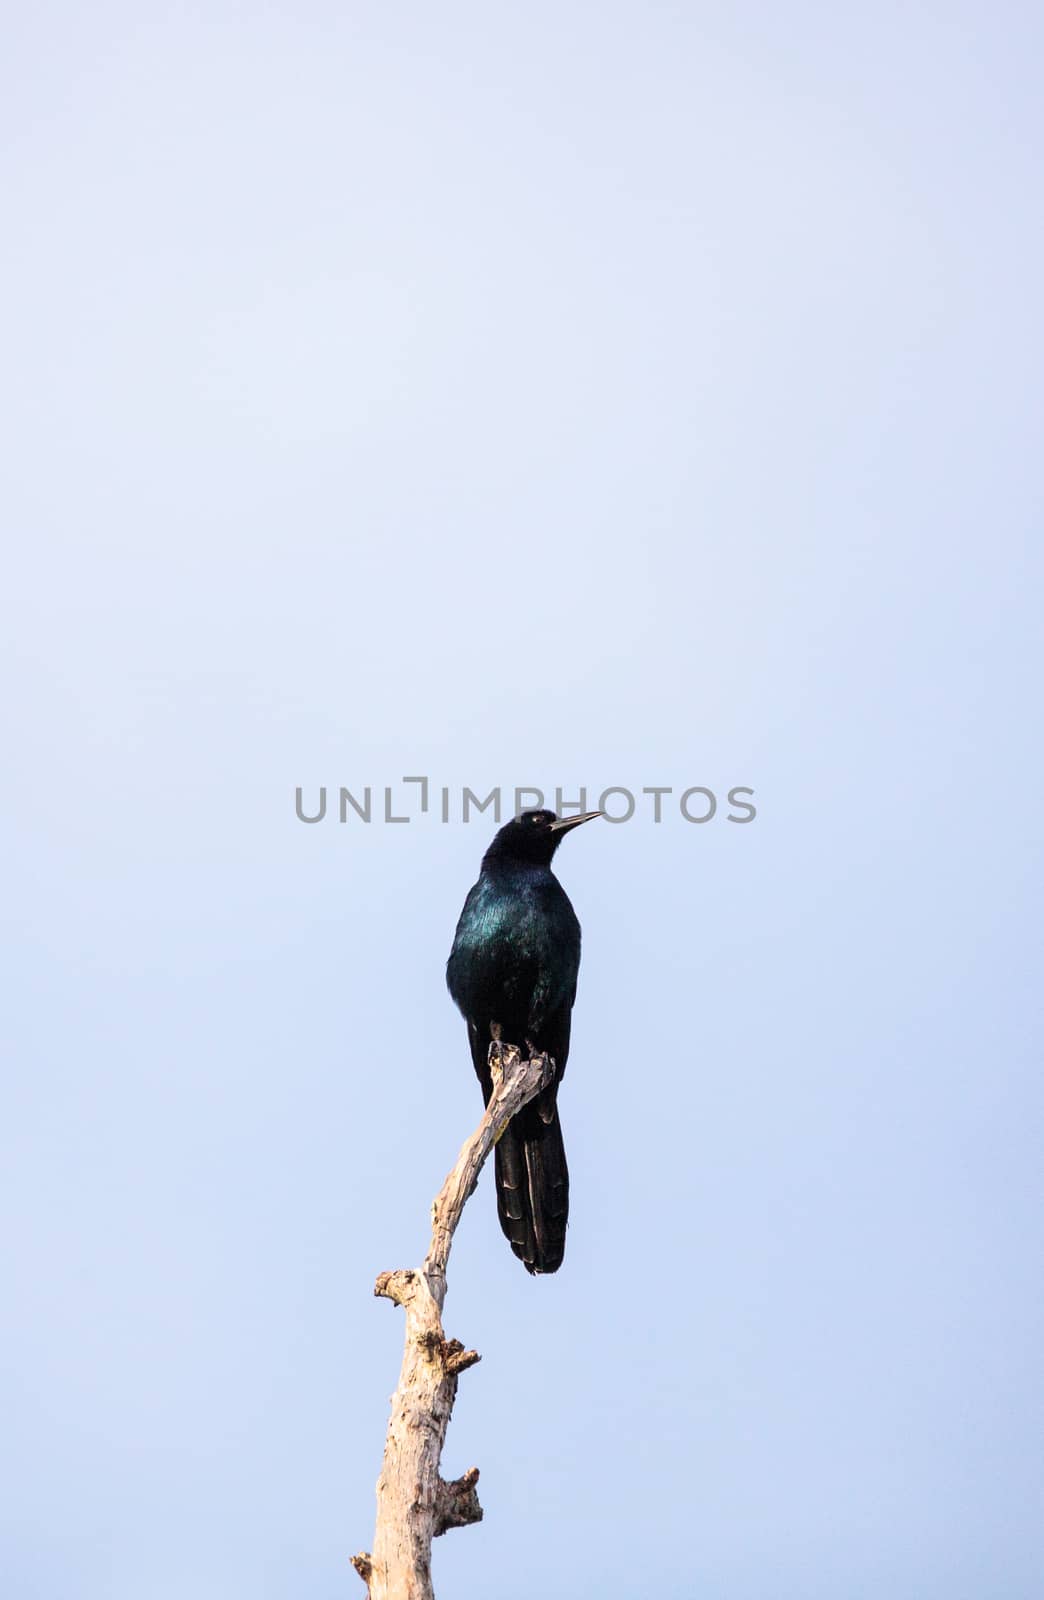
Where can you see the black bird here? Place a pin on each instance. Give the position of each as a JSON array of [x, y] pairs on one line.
[[512, 972]]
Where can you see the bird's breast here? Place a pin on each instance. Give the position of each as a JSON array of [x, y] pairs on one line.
[[517, 943]]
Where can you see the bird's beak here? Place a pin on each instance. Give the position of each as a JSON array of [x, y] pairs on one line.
[[565, 823]]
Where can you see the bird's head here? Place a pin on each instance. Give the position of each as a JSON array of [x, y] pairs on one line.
[[534, 836]]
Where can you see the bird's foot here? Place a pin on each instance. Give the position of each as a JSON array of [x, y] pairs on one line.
[[503, 1059], [535, 1054]]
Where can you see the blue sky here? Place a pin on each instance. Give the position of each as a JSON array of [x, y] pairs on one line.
[[584, 395]]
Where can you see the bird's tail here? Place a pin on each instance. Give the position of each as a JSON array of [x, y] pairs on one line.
[[533, 1184]]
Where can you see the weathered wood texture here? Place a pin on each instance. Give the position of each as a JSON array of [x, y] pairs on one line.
[[414, 1503]]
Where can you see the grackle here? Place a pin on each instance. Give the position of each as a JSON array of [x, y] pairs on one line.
[[512, 972]]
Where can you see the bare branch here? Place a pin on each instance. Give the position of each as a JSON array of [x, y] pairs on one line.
[[414, 1504]]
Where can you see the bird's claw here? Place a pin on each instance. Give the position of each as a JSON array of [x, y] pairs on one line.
[[508, 1057]]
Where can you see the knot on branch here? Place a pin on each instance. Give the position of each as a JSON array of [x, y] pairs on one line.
[[399, 1286], [449, 1353], [457, 1503], [363, 1566], [456, 1359]]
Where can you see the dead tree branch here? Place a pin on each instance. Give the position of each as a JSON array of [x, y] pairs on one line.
[[414, 1503]]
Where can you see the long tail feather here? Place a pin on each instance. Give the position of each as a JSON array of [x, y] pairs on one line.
[[533, 1184]]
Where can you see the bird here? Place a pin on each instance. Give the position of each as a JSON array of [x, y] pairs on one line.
[[512, 973]]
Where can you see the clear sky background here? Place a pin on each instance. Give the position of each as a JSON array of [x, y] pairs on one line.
[[550, 394]]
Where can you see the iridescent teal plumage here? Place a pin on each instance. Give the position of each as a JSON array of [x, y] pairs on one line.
[[512, 972]]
